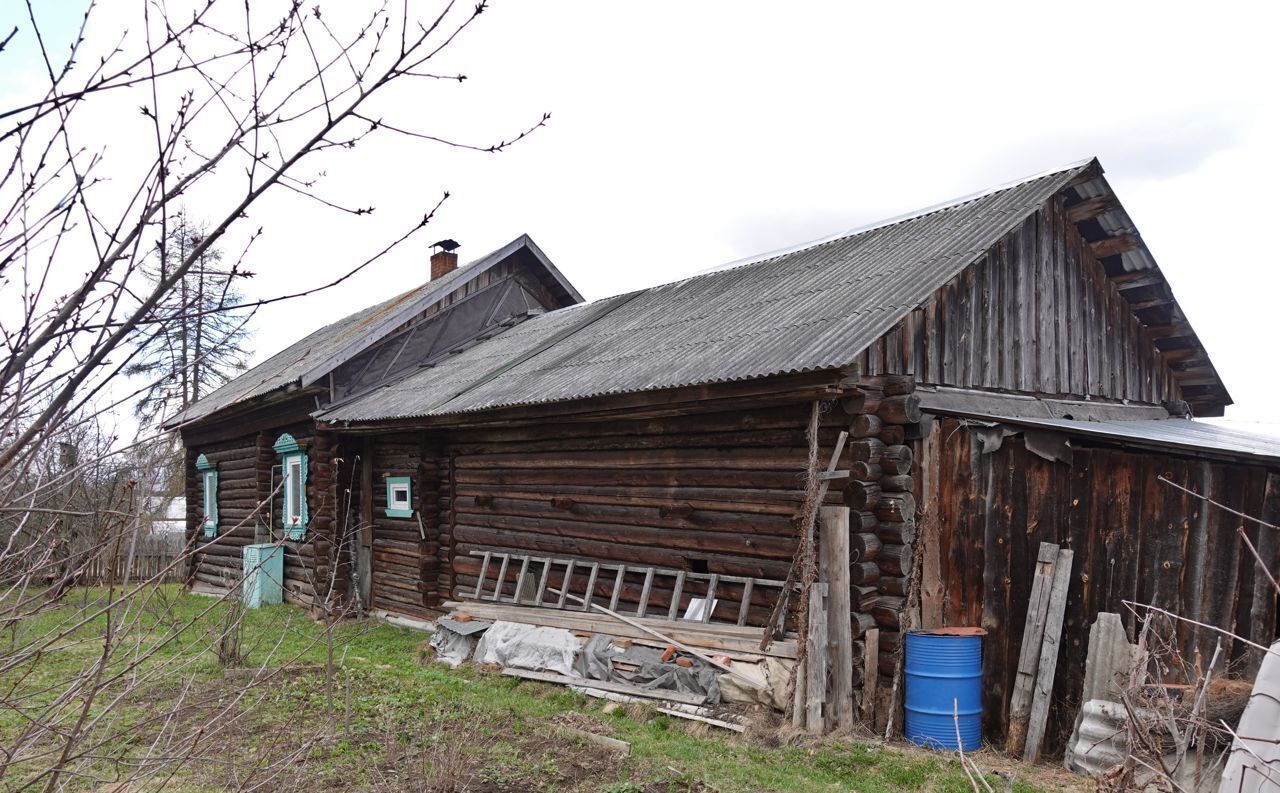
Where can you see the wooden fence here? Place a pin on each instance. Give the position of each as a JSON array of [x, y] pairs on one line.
[[150, 556]]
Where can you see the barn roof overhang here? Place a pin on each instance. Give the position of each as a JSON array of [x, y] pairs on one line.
[[1118, 245]]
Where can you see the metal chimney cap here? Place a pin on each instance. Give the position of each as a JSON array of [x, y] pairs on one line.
[[447, 245]]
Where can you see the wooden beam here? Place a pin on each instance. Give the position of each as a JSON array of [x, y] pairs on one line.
[[1143, 305], [1113, 246], [1029, 656], [834, 562], [1173, 330], [1091, 207], [1137, 279], [816, 660], [870, 673], [604, 685], [1048, 656]]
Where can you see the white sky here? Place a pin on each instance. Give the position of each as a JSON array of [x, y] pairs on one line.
[[686, 135]]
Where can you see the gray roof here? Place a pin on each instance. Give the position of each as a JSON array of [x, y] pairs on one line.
[[811, 308], [310, 359], [1184, 434]]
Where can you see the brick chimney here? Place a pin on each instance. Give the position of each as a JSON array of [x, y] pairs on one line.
[[443, 263], [445, 259]]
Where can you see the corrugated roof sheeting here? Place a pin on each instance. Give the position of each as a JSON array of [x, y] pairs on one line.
[[1185, 434], [348, 335], [814, 308]]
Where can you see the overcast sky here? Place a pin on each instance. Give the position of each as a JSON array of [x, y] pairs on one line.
[[685, 135]]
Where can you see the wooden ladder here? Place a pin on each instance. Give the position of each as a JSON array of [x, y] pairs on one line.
[[543, 566]]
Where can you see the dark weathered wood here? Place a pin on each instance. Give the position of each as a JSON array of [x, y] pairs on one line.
[[1029, 657], [904, 409], [1048, 657], [834, 553]]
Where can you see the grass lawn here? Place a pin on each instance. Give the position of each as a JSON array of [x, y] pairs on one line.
[[395, 722]]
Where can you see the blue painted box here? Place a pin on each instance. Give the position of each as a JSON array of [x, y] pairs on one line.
[[263, 575]]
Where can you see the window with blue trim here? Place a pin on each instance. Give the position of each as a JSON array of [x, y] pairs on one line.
[[399, 497], [208, 474], [293, 469]]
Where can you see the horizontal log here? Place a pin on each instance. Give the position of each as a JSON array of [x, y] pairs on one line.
[[890, 384], [867, 450], [787, 459], [865, 425], [893, 435], [892, 585], [861, 623], [867, 472], [903, 533], [864, 547], [888, 611], [791, 436], [520, 477], [626, 515], [864, 573], [895, 560], [896, 459], [862, 496], [736, 499], [902, 409], [897, 483], [896, 507], [864, 399], [744, 543]]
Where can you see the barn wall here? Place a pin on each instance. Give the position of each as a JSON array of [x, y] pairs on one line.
[[1134, 539], [1036, 314]]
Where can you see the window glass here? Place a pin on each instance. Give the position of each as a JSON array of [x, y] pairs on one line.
[[294, 486]]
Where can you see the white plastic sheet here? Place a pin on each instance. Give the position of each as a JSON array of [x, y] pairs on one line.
[[527, 647]]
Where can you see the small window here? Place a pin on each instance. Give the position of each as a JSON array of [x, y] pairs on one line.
[[208, 475], [293, 466], [399, 497]]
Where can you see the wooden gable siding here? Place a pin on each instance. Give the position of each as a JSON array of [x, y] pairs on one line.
[[1036, 314], [1135, 539], [475, 307]]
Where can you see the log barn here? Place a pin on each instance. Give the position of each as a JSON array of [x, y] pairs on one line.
[[1009, 368]]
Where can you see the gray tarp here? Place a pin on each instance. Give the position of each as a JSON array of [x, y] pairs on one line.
[[595, 662]]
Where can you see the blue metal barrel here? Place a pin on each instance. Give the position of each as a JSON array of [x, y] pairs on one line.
[[944, 675]]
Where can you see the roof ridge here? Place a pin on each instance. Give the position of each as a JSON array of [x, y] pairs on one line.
[[894, 220]]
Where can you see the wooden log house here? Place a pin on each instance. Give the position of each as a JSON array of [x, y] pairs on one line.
[[1011, 368]]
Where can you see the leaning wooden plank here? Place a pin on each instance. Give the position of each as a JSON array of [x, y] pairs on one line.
[[706, 715], [815, 698], [777, 619], [704, 719], [1048, 656], [690, 650], [834, 553], [621, 747], [1029, 658], [605, 685], [870, 673]]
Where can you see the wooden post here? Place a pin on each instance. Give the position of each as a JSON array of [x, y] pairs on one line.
[[870, 673], [834, 567], [1048, 656], [1029, 657], [816, 659]]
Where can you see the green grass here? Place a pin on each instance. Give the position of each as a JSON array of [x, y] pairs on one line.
[[401, 723]]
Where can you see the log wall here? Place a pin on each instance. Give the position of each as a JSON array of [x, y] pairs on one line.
[[1036, 314], [1134, 539], [406, 551], [248, 473]]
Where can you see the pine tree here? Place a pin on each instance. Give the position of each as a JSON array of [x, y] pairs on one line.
[[194, 342]]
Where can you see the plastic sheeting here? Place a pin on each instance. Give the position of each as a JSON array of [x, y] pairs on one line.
[[527, 647], [595, 662]]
